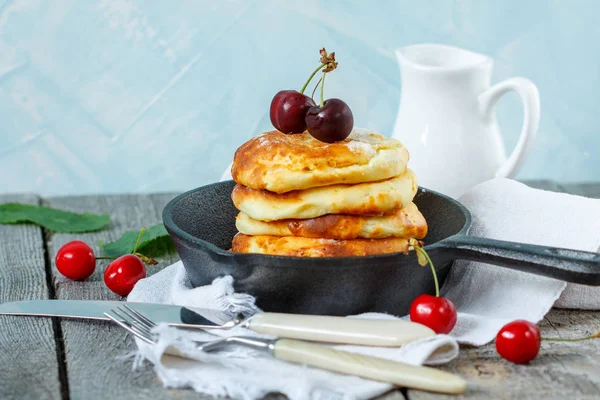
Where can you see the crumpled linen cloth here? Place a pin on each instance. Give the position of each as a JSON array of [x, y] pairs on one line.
[[243, 373]]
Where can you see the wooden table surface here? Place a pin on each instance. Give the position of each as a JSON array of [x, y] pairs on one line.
[[50, 358]]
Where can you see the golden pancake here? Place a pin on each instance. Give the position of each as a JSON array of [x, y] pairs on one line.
[[312, 247], [373, 198], [406, 222], [281, 163]]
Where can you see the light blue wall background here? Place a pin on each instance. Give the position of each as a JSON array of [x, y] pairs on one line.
[[140, 95]]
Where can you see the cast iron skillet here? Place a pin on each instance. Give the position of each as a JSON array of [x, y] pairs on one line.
[[202, 225]]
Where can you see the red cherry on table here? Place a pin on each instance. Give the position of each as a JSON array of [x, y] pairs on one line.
[[437, 313], [75, 260], [123, 273], [331, 123], [518, 341], [288, 109]]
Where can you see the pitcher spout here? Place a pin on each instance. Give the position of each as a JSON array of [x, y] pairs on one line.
[[440, 58]]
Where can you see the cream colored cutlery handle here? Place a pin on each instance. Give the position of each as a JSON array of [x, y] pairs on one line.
[[319, 328], [378, 369]]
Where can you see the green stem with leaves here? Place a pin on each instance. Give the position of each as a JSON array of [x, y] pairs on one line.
[[146, 259]]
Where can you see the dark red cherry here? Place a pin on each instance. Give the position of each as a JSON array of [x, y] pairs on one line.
[[288, 109], [331, 123]]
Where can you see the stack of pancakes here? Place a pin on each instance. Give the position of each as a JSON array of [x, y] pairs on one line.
[[299, 196]]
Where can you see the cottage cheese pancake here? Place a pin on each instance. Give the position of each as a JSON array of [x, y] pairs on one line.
[[281, 163], [372, 198], [312, 247], [406, 222]]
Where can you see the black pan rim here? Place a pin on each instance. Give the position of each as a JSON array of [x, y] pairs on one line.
[[286, 261]]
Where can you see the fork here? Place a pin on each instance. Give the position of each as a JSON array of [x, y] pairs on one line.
[[314, 355]]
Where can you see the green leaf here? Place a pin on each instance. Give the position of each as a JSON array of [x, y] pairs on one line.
[[154, 242], [51, 218]]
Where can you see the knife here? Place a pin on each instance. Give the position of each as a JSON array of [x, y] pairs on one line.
[[369, 332]]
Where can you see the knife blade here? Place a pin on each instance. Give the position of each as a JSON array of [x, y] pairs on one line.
[[95, 309], [370, 332]]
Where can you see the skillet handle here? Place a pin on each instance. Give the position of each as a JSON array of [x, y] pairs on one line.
[[567, 265]]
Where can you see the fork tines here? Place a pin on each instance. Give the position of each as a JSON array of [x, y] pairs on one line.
[[134, 321]]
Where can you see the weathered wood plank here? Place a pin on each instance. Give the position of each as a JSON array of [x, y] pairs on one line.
[[93, 348], [588, 189], [398, 394], [28, 356], [561, 370], [583, 189], [545, 184]]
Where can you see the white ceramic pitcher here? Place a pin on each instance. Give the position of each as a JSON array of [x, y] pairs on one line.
[[447, 120]]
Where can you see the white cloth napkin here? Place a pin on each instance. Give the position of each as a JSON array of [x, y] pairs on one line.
[[486, 297], [244, 373]]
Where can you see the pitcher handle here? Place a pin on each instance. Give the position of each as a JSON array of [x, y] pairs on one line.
[[531, 118]]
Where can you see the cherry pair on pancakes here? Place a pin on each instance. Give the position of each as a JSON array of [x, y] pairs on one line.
[[294, 112]]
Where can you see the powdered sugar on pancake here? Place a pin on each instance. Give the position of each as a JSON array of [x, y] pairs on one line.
[[361, 148]]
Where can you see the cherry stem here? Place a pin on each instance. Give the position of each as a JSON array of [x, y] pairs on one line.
[[435, 279], [312, 96], [310, 77], [596, 336], [137, 242], [322, 86], [146, 259]]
